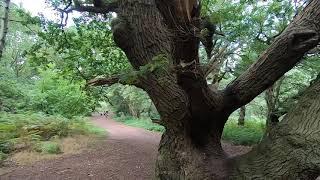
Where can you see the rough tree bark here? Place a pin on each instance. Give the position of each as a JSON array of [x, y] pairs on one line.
[[4, 27], [193, 114], [291, 150]]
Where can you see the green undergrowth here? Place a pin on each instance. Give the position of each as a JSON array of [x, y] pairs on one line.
[[144, 123], [39, 132], [249, 134], [48, 147]]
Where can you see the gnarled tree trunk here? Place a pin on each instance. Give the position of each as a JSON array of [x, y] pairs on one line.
[[291, 150], [193, 114]]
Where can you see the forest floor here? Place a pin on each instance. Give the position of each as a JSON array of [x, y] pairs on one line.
[[127, 153]]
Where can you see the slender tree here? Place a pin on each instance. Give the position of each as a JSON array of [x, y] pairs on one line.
[[272, 100], [161, 40], [4, 29]]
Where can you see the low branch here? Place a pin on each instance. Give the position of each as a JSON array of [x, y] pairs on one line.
[[13, 20], [302, 35], [104, 81], [157, 121], [101, 10], [129, 78], [22, 22]]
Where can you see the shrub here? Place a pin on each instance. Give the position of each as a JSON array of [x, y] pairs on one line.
[[6, 147], [48, 147], [249, 134], [55, 95], [33, 131], [3, 156], [12, 96]]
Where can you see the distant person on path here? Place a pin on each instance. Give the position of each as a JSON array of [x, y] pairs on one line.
[[104, 113]]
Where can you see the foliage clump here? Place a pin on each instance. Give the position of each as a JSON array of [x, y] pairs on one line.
[[249, 134], [157, 67], [37, 132], [48, 147], [55, 95]]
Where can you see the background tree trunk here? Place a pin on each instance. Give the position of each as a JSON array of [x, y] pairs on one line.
[[272, 100], [242, 116], [4, 29]]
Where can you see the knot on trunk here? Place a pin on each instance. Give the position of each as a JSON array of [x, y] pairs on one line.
[[122, 32], [190, 75], [303, 39]]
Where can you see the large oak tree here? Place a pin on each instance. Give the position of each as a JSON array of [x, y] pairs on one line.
[[161, 38]]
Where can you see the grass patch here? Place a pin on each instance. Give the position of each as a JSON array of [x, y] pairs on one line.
[[3, 156], [249, 134], [39, 133], [69, 145], [49, 147], [144, 123]]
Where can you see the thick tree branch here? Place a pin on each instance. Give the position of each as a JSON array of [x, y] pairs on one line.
[[102, 10], [288, 49], [129, 78], [103, 7]]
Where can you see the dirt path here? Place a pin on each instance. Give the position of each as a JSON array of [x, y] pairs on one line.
[[127, 153]]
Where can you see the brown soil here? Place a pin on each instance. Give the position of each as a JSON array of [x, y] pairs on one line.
[[127, 153]]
